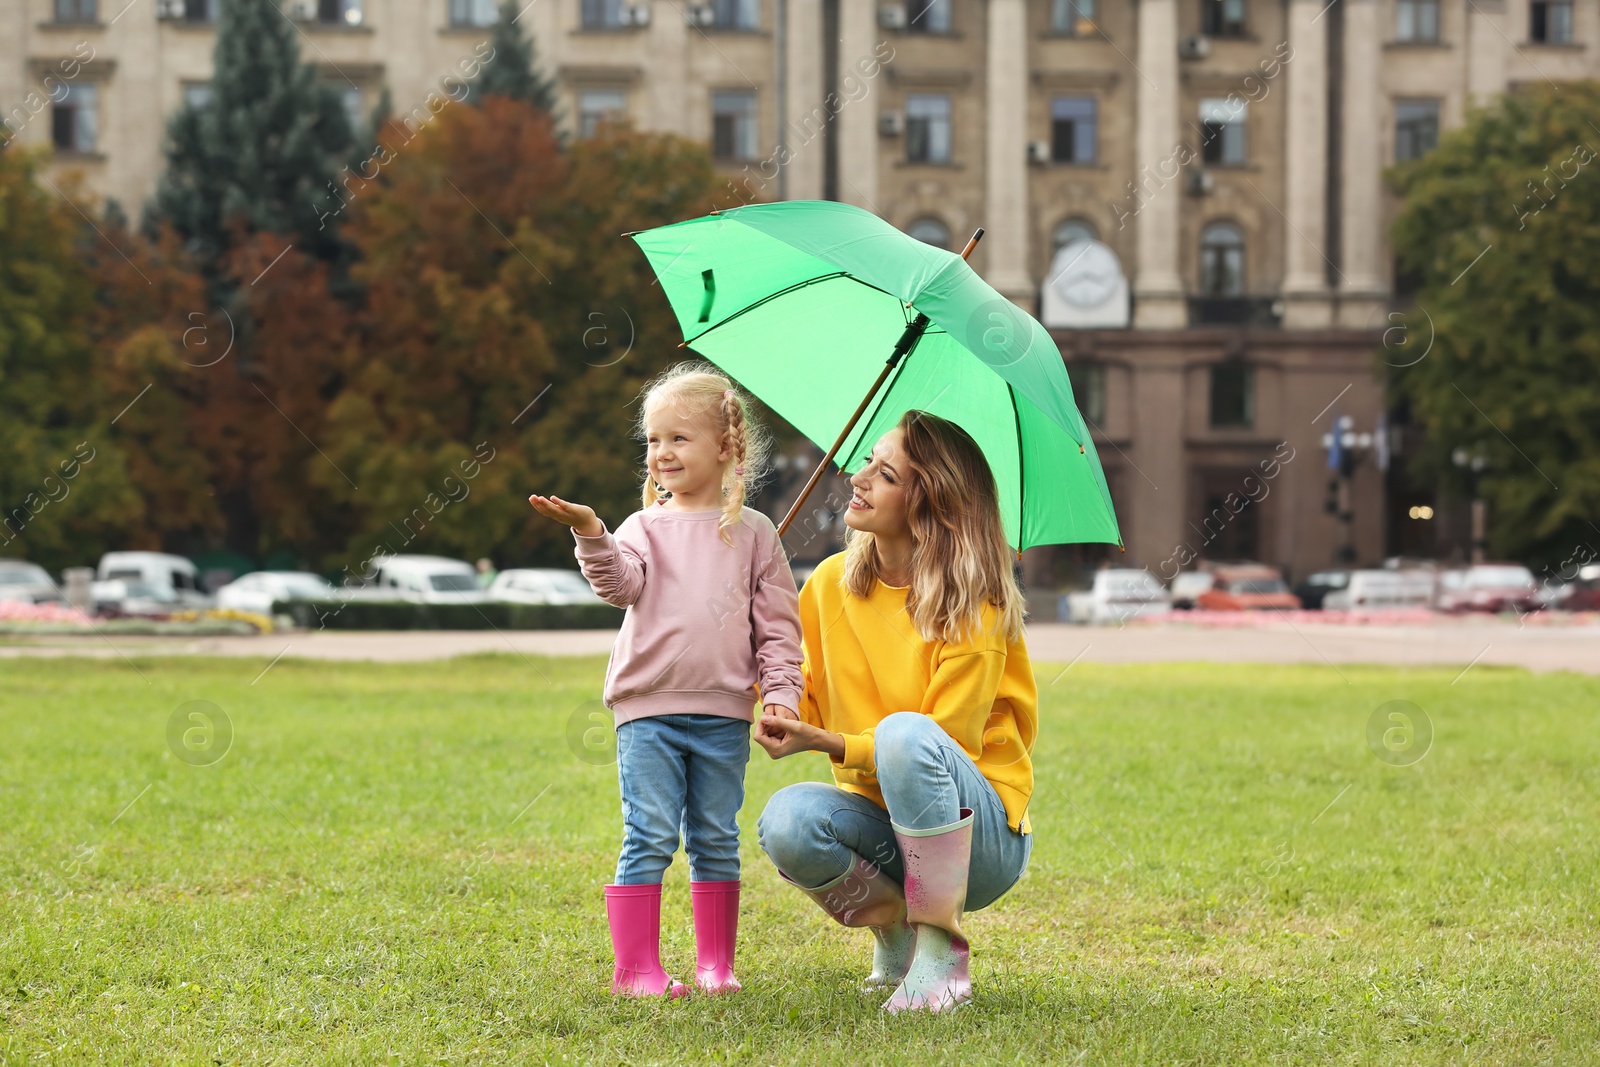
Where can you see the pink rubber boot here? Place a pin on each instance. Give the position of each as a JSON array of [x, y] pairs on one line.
[[634, 912], [936, 863], [716, 929]]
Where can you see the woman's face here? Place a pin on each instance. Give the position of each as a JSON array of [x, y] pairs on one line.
[[879, 504]]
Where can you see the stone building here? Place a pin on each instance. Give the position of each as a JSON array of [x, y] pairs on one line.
[[1189, 192]]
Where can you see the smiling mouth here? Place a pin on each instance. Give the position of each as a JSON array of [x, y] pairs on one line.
[[859, 504], [670, 470]]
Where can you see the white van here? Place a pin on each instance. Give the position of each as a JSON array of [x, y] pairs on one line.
[[1383, 590], [425, 580], [170, 579]]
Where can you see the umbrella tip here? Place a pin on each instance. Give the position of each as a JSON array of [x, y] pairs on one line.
[[1080, 450]]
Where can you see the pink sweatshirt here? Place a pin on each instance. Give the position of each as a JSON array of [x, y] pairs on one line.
[[710, 629]]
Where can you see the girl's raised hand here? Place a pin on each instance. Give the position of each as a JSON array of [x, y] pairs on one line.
[[582, 519]]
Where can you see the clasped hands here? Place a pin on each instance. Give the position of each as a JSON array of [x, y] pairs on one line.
[[781, 732]]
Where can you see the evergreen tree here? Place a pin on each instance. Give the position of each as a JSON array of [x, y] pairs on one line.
[[512, 72], [262, 154]]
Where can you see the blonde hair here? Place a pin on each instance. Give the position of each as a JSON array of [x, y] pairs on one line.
[[703, 394], [960, 560]]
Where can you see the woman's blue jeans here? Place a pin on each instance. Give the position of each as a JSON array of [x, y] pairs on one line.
[[681, 773], [808, 830]]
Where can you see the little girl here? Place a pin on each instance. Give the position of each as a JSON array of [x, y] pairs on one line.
[[712, 625]]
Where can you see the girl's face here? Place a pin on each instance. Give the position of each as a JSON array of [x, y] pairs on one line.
[[683, 454], [879, 506]]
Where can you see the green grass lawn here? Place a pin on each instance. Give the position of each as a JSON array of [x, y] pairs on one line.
[[403, 865]]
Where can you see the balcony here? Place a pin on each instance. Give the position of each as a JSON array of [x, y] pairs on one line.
[[1256, 311]]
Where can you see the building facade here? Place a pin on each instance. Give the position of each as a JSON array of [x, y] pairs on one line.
[[1189, 192]]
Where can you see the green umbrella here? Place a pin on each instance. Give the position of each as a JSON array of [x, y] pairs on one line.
[[802, 301]]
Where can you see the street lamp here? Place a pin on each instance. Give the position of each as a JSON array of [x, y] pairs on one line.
[[1345, 448], [1473, 462]]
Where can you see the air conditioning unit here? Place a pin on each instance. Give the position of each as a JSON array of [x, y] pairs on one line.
[[303, 10], [891, 124], [700, 15], [1201, 183], [1038, 151], [1196, 47], [170, 9], [637, 15], [892, 16]]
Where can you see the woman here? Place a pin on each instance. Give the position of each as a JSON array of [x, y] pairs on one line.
[[918, 687]]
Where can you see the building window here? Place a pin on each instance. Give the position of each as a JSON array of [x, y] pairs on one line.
[[76, 10], [473, 12], [75, 118], [1222, 18], [1551, 21], [735, 14], [928, 16], [1221, 260], [354, 114], [1232, 395], [1089, 390], [199, 10], [604, 14], [1417, 20], [928, 129], [1071, 230], [1222, 126], [930, 231], [598, 105], [197, 95], [342, 12], [1416, 128], [1072, 129], [1075, 18], [733, 124]]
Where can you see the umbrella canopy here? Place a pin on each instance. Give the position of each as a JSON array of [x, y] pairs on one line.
[[803, 301]]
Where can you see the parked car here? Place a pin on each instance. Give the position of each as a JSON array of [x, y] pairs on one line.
[[423, 579], [542, 585], [1584, 590], [258, 590], [1382, 590], [27, 582], [171, 579], [1250, 587], [1313, 592], [1117, 595], [1187, 586], [131, 596], [1491, 587]]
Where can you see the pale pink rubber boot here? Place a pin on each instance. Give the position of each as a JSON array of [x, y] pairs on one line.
[[936, 863], [864, 896], [716, 929], [634, 912]]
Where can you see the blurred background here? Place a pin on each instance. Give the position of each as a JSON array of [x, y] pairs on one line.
[[317, 293]]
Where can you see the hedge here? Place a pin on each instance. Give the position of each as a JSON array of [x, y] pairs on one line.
[[401, 615]]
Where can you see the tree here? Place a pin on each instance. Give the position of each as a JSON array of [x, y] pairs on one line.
[[511, 72], [1501, 224], [487, 254], [262, 154], [63, 487]]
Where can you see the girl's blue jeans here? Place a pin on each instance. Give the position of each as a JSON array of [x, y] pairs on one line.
[[808, 830], [681, 774]]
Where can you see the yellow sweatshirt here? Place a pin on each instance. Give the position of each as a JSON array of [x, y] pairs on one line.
[[864, 661]]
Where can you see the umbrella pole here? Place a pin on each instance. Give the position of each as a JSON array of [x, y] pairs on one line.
[[908, 340]]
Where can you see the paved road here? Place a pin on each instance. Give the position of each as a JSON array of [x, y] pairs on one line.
[[1446, 643]]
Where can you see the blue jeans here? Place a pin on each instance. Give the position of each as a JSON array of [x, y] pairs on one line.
[[681, 773], [926, 780]]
